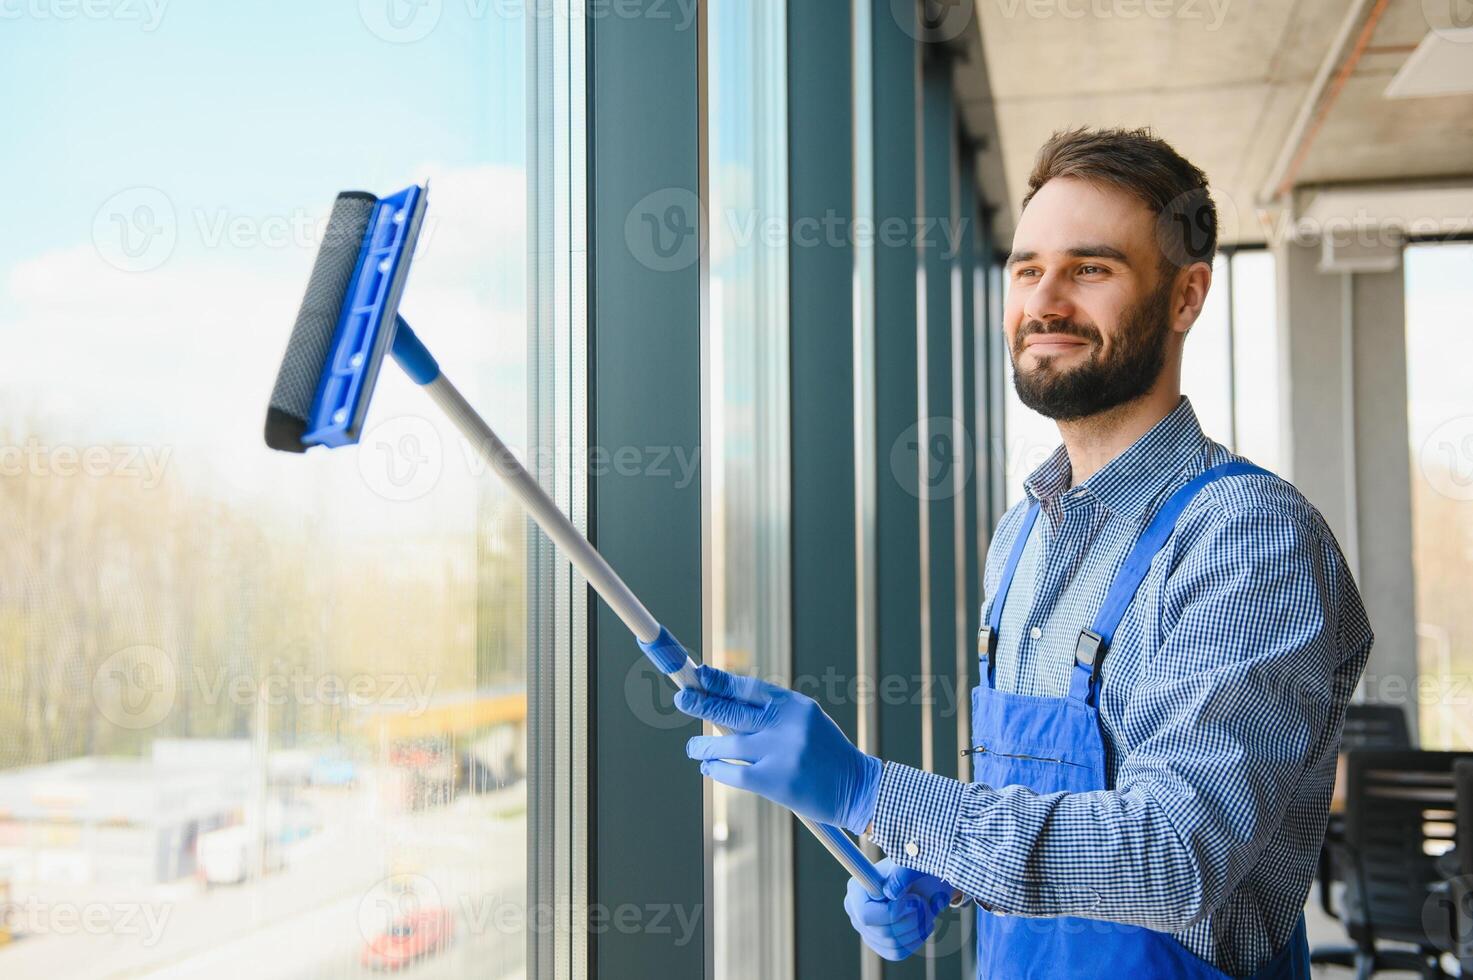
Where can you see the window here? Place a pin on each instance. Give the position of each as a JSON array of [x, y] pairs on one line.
[[1030, 437], [747, 457], [1207, 363], [1257, 416], [256, 709], [1439, 330]]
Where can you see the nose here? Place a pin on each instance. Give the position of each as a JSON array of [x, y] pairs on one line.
[[1048, 300]]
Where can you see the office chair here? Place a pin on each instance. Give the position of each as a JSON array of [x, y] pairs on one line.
[[1367, 726], [1399, 812], [1375, 726], [1459, 886]]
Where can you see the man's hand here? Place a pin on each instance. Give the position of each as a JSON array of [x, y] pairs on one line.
[[798, 757], [898, 924]]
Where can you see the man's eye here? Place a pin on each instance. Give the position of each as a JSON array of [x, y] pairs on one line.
[[1026, 273], [1093, 270]]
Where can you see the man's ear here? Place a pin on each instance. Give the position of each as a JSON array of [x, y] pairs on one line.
[[1189, 295]]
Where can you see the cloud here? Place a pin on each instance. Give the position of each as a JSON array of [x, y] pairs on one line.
[[185, 354]]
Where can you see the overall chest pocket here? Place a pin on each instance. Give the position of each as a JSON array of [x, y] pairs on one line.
[[1046, 744]]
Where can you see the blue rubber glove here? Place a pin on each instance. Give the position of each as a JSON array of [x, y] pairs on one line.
[[799, 757], [899, 924]]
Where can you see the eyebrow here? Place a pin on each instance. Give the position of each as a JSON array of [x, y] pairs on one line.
[[1077, 252]]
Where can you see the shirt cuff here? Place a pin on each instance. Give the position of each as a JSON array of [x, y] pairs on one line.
[[916, 818]]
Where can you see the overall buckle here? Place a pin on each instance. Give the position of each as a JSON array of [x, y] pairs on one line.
[[986, 643], [1090, 652]]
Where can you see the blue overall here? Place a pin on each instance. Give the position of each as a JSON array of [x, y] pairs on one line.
[[1053, 745]]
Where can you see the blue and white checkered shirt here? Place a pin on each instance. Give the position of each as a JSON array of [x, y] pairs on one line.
[[1222, 700]]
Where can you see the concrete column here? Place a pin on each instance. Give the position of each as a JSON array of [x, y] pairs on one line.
[[1343, 370]]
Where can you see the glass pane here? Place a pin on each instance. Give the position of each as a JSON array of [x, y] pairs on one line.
[[1030, 437], [747, 459], [1206, 364], [261, 715], [1439, 328], [1256, 359]]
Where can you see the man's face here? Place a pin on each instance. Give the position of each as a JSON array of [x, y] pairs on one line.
[[1088, 317]]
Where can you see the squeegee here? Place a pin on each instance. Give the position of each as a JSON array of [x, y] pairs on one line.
[[348, 321]]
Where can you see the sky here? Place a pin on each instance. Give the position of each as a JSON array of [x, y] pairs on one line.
[[171, 164], [171, 161]]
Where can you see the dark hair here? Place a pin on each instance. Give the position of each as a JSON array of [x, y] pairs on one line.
[[1138, 161]]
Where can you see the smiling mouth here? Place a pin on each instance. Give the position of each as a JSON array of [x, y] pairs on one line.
[[1054, 343]]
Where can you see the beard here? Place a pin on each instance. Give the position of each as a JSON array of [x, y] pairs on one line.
[[1109, 378]]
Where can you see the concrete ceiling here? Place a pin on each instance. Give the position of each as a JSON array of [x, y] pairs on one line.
[[1224, 81]]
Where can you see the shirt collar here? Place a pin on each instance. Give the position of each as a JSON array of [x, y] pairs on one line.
[[1127, 484]]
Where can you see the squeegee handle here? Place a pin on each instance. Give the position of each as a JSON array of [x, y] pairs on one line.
[[657, 642]]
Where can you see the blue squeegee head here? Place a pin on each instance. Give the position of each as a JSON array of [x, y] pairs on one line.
[[317, 319]]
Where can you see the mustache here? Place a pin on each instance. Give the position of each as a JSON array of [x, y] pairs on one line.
[[1072, 328]]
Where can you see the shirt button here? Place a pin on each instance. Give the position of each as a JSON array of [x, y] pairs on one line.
[[912, 849], [1035, 632]]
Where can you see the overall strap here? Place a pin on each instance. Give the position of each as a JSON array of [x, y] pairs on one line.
[[987, 637], [1095, 641]]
